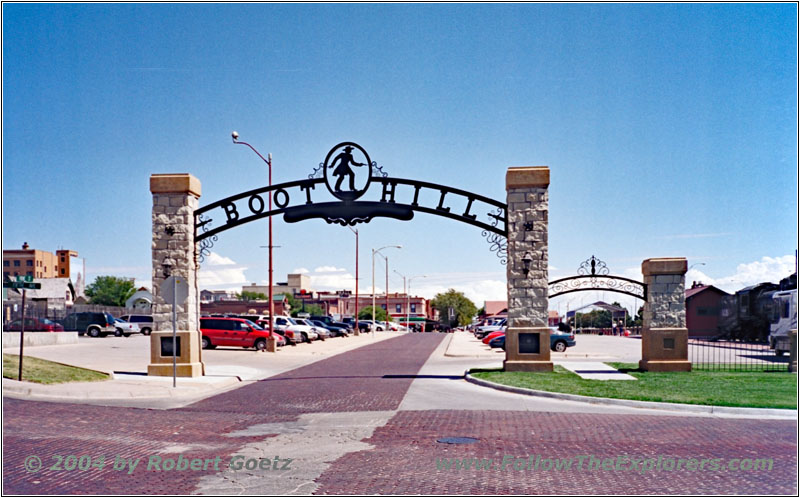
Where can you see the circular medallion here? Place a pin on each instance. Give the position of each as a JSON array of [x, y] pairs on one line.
[[347, 171]]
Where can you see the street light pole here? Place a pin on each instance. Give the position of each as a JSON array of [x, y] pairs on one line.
[[405, 291], [355, 231], [374, 252], [387, 293], [235, 137], [408, 297]]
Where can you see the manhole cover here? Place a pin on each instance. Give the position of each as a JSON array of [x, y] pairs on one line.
[[457, 440]]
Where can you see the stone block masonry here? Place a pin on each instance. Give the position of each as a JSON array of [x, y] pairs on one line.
[[527, 201], [664, 334], [175, 199]]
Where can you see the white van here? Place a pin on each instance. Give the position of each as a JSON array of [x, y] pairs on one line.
[[784, 319]]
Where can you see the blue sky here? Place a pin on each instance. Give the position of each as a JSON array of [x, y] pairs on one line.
[[670, 130]]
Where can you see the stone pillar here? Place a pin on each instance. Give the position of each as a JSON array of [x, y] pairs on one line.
[[793, 350], [175, 198], [527, 335], [665, 338]]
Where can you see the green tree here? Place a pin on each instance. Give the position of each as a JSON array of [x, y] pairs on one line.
[[251, 296], [311, 309], [465, 310], [366, 314], [293, 303], [110, 291]]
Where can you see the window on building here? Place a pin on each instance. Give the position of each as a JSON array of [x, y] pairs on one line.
[[30, 273], [63, 260], [16, 262], [29, 262], [6, 274], [383, 306], [398, 308], [6, 263], [63, 271], [413, 308]]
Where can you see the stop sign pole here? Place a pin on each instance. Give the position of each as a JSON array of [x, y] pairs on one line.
[[23, 283]]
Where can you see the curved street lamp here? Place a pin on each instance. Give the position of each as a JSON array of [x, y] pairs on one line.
[[268, 161]]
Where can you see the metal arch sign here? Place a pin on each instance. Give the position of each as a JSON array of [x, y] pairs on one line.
[[361, 192], [593, 275], [341, 165]]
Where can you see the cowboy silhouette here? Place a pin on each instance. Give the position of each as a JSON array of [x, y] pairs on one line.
[[343, 169]]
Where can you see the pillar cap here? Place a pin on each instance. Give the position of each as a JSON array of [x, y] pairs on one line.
[[664, 266], [527, 176], [174, 183]]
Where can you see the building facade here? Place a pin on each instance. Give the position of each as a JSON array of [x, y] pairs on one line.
[[703, 305]]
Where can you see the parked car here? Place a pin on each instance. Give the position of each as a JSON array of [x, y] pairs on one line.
[[145, 322], [559, 341], [337, 328], [481, 332], [235, 332], [124, 328], [333, 330], [498, 342], [493, 335], [33, 325], [311, 332], [330, 322], [285, 325], [95, 324]]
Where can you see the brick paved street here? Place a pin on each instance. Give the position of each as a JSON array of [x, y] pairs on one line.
[[405, 454], [398, 456]]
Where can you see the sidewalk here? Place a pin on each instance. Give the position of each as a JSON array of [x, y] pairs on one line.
[[126, 360], [593, 348]]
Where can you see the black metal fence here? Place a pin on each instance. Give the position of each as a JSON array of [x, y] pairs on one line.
[[735, 356], [33, 310]]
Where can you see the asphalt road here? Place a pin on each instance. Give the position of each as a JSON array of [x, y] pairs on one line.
[[367, 421]]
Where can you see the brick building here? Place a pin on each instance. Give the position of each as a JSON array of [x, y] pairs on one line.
[[703, 309]]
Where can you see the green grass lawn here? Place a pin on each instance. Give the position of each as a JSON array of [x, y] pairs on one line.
[[47, 372], [745, 389]]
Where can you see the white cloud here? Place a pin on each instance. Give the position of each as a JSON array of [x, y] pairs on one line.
[[300, 270], [328, 269], [221, 272], [768, 269]]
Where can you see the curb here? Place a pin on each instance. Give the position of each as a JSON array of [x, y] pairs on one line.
[[785, 413], [31, 392]]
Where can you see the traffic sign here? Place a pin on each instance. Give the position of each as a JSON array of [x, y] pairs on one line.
[[181, 290], [22, 285]]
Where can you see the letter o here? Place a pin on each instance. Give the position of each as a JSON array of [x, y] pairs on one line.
[[168, 464], [256, 197], [285, 198], [251, 464], [746, 464]]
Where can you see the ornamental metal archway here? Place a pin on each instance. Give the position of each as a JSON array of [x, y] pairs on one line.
[[300, 200], [593, 274]]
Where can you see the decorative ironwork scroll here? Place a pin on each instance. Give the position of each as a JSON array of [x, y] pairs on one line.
[[498, 244], [593, 274], [205, 244]]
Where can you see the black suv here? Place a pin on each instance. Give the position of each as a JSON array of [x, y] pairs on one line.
[[329, 322], [95, 324]]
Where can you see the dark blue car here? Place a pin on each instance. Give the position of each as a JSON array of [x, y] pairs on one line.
[[559, 341]]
